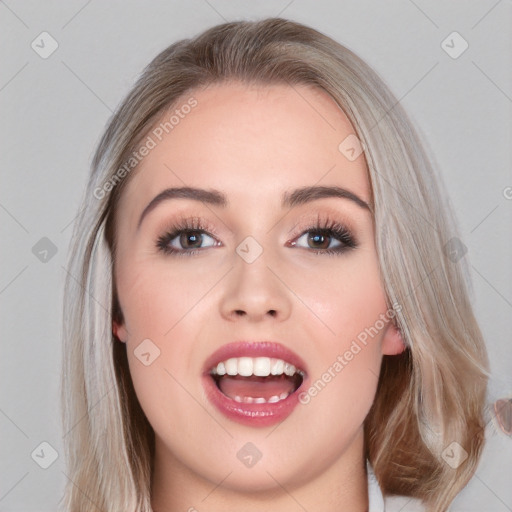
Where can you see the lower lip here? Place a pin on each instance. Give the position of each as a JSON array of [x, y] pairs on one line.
[[254, 415]]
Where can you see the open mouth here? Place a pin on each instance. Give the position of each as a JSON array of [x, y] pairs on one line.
[[256, 380], [254, 383]]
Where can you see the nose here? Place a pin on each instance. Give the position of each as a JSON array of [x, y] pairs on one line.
[[255, 292]]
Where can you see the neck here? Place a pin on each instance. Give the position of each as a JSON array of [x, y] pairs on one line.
[[341, 487]]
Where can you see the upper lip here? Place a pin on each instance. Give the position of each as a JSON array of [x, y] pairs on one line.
[[254, 349]]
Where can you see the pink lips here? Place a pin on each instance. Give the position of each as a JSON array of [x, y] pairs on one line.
[[253, 414]]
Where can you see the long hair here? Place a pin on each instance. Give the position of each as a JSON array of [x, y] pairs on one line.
[[430, 399]]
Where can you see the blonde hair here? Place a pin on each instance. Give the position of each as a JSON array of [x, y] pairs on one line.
[[430, 396]]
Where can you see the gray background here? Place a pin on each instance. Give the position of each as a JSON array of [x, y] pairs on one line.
[[54, 111]]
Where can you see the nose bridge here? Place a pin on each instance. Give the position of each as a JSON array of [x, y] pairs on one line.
[[254, 291]]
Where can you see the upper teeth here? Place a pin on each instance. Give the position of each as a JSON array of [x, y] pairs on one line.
[[259, 366]]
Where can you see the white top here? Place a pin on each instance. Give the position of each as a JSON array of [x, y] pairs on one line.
[[377, 502], [375, 498]]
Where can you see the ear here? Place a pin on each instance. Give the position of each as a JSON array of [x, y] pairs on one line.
[[119, 331], [392, 342]]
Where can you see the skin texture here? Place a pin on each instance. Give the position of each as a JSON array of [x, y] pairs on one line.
[[253, 143]]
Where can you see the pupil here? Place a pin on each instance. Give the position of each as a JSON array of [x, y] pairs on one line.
[[320, 239], [194, 237]]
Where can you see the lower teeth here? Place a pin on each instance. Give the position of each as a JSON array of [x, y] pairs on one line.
[[260, 400]]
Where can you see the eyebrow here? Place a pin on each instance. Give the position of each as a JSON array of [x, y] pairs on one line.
[[292, 199]]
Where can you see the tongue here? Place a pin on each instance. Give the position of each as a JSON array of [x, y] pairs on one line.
[[255, 387]]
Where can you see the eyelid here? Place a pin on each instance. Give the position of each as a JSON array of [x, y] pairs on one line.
[[190, 222], [310, 221]]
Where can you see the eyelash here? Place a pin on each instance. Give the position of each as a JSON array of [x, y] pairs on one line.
[[326, 227]]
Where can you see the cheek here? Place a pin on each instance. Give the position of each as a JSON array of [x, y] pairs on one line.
[[350, 302], [154, 297], [155, 306], [349, 297], [338, 402], [157, 388], [162, 310]]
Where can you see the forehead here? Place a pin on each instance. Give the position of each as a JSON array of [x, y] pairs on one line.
[[251, 141]]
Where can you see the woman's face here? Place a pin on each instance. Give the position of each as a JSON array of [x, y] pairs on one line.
[[275, 266]]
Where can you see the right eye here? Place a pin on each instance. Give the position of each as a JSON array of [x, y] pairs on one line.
[[185, 241], [186, 236]]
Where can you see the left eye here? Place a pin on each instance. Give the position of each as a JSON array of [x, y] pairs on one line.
[[319, 240]]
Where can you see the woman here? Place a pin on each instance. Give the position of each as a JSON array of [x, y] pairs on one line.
[[265, 307]]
